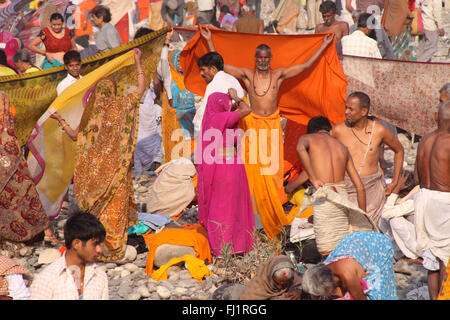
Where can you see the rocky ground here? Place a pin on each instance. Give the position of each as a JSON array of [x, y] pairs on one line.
[[129, 281]]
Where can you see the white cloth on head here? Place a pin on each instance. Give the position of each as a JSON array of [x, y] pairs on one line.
[[432, 220], [220, 83]]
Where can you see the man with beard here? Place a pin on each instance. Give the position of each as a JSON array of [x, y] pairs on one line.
[[330, 24], [263, 128], [363, 138]]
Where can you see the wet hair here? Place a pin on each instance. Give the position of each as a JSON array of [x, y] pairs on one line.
[[318, 281], [22, 55], [318, 123], [263, 47], [211, 59], [364, 99], [56, 16], [363, 19], [142, 32], [71, 56], [83, 226], [327, 6], [102, 11]]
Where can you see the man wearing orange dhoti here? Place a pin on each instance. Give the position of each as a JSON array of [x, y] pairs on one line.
[[265, 171]]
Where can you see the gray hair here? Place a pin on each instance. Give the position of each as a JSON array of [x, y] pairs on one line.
[[22, 55], [356, 13], [446, 87], [318, 281], [444, 110]]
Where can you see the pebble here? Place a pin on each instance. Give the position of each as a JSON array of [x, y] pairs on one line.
[[163, 292], [130, 282]]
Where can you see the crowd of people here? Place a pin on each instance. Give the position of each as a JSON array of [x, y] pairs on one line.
[[362, 222]]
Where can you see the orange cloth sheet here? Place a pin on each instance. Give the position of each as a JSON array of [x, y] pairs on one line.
[[194, 237], [321, 90]]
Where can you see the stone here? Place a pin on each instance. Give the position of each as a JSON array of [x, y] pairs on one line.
[[130, 253], [406, 143], [143, 292], [25, 251], [48, 256], [131, 267], [163, 292], [181, 291], [124, 273], [110, 265], [174, 276], [185, 275], [165, 252], [134, 296]]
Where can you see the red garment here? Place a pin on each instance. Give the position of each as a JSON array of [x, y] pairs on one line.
[[412, 5], [53, 44]]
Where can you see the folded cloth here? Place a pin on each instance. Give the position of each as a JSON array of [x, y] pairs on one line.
[[432, 220], [335, 216], [154, 221], [197, 268], [194, 237], [172, 190], [301, 230]]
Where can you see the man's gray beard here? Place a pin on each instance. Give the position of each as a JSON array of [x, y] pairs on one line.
[[263, 68]]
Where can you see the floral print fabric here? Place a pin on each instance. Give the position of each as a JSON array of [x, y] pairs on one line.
[[103, 176], [375, 253], [21, 214]]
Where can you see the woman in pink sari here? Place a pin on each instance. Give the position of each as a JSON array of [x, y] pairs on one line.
[[225, 208]]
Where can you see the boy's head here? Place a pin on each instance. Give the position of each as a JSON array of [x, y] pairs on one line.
[[72, 63], [84, 233]]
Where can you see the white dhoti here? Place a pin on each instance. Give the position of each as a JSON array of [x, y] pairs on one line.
[[432, 221], [335, 216]]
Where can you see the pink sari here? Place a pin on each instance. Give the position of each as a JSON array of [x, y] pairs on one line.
[[225, 208]]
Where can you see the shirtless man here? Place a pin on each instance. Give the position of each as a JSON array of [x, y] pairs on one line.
[[340, 28], [264, 83], [363, 138], [326, 160], [433, 203]]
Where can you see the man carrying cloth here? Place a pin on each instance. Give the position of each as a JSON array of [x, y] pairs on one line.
[[364, 138], [432, 204], [326, 161], [265, 175]]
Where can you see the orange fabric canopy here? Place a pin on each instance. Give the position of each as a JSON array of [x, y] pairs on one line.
[[321, 90]]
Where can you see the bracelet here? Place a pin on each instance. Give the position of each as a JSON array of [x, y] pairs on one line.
[[142, 72]]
